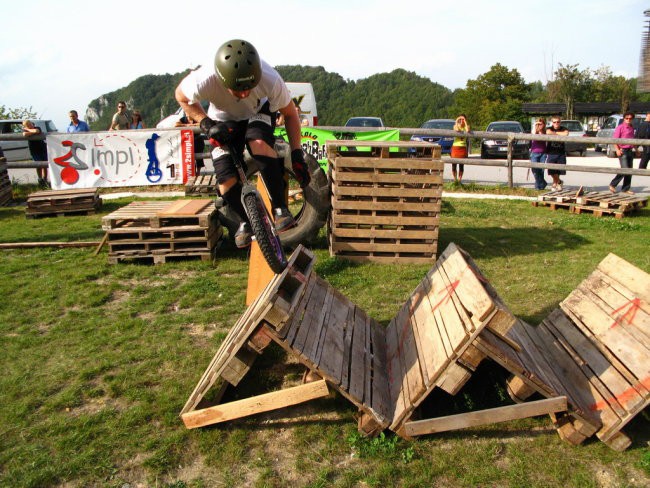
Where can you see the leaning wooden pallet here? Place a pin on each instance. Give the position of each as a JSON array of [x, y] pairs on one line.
[[452, 321], [385, 203]]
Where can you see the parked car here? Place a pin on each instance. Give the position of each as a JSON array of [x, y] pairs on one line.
[[576, 129], [19, 150], [444, 141], [607, 130], [365, 122], [498, 148]]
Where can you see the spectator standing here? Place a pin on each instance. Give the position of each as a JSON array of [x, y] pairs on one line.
[[121, 120], [37, 149], [538, 154], [643, 132], [625, 153], [244, 93], [555, 151], [136, 120], [76, 125], [459, 147]]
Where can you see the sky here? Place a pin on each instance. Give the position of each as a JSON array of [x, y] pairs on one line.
[[60, 55]]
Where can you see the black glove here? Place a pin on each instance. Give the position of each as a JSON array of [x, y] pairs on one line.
[[219, 133], [300, 170]]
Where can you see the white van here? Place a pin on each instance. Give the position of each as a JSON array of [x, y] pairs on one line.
[[301, 93], [303, 96]]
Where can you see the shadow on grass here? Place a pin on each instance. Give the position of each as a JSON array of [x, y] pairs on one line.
[[489, 242]]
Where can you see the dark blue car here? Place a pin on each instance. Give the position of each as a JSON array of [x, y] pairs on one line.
[[444, 142]]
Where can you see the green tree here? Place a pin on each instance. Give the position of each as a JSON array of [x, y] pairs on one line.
[[17, 113], [494, 95], [570, 85]]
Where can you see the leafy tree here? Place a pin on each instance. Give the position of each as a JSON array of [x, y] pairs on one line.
[[17, 113], [152, 95], [495, 95], [570, 85]]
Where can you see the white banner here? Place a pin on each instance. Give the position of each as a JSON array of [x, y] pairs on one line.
[[120, 158]]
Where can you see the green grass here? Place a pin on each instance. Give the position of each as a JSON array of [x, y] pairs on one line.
[[98, 360]]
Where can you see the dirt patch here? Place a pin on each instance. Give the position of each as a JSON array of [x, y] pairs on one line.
[[95, 405]]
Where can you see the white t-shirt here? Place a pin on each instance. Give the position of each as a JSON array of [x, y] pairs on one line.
[[204, 84]]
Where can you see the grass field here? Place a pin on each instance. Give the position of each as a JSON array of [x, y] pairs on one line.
[[98, 360]]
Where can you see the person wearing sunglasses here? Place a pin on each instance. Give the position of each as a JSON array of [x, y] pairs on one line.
[[121, 119], [625, 153]]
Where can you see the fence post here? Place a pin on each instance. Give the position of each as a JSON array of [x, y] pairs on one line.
[[509, 160]]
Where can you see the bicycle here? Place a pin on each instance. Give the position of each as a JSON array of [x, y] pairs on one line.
[[261, 223]]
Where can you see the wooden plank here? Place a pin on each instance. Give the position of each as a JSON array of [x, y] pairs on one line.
[[258, 404], [396, 373], [380, 401], [595, 364], [316, 301], [347, 348], [617, 339], [410, 362], [489, 416], [467, 286], [317, 329], [631, 277], [184, 208], [331, 358], [358, 352]]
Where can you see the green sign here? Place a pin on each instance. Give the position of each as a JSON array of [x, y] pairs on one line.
[[314, 140]]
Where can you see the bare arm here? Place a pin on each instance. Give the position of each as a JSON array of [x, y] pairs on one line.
[[292, 124], [193, 111]]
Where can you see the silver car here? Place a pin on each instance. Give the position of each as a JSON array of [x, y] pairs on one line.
[[19, 150], [576, 129], [607, 130]]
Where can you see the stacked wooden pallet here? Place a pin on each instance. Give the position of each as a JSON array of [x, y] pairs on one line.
[[47, 203], [385, 203], [5, 183], [598, 203], [606, 203], [590, 358], [162, 230], [202, 185]]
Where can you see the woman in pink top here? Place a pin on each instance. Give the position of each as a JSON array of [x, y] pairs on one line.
[[625, 153]]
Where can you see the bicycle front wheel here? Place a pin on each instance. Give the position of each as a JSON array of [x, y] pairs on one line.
[[264, 230]]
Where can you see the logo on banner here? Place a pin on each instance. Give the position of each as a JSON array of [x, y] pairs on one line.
[[115, 163]]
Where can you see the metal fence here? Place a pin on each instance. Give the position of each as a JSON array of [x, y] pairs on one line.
[[510, 163]]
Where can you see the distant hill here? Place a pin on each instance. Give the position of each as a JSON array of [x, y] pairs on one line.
[[402, 98]]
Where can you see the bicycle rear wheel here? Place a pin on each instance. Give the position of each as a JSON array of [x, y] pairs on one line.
[[264, 230]]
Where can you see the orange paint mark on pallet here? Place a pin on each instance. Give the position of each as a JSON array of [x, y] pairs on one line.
[[624, 397], [632, 307]]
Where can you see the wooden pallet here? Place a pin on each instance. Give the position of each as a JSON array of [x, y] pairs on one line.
[[598, 203], [157, 214], [63, 202], [245, 341], [205, 185], [385, 205], [589, 358], [177, 232]]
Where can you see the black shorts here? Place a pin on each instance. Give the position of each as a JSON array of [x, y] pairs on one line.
[[259, 127], [556, 159]]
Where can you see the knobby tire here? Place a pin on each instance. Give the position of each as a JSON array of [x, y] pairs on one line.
[[265, 233]]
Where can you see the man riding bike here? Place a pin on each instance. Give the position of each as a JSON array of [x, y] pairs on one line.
[[244, 93]]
